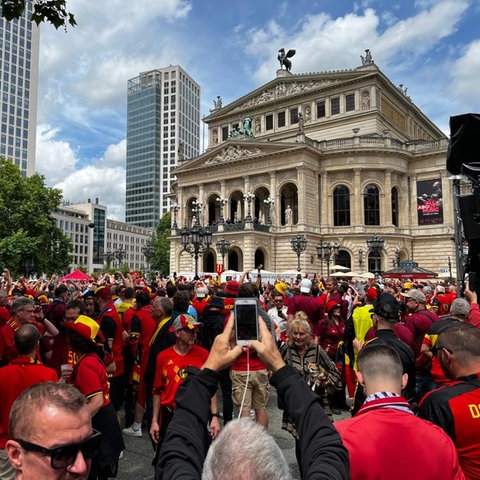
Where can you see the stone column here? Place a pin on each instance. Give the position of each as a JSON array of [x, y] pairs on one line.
[[273, 194], [324, 200], [201, 195], [182, 209], [356, 200], [386, 200], [413, 202], [301, 196]]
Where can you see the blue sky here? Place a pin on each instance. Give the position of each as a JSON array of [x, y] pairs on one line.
[[432, 47]]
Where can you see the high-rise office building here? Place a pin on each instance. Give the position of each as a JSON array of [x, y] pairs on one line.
[[19, 46], [163, 127]]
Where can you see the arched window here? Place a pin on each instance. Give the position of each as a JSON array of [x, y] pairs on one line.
[[395, 207], [344, 259], [341, 206], [371, 205]]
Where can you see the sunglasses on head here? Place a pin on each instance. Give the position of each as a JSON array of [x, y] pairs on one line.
[[64, 456]]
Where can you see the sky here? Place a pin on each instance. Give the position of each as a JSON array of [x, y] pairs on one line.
[[432, 47]]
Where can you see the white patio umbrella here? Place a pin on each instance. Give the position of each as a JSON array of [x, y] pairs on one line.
[[367, 275], [339, 274], [339, 267]]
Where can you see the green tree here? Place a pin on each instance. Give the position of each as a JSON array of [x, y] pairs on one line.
[[53, 11], [27, 231], [161, 257]]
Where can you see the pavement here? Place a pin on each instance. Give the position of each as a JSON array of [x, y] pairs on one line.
[[138, 454]]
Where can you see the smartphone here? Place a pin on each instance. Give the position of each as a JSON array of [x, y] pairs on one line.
[[246, 320]]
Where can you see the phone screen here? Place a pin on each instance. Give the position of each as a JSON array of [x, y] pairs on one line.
[[246, 322]]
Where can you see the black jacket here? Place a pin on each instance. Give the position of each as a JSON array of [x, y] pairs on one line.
[[323, 454]]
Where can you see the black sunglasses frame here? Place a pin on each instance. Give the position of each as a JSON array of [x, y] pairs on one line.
[[67, 453]]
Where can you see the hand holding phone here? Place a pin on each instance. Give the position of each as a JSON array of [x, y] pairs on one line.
[[246, 320]]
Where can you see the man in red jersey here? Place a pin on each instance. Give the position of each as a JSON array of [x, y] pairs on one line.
[[112, 329], [416, 449], [22, 372], [456, 406], [170, 373]]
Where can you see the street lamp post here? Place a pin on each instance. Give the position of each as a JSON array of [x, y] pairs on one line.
[[223, 246], [148, 250], [175, 209], [248, 197], [109, 257], [360, 258], [27, 266], [396, 260], [222, 201], [269, 203], [197, 210], [196, 241], [120, 254], [299, 245], [325, 251], [375, 245]]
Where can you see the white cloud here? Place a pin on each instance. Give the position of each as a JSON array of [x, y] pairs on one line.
[[105, 183], [51, 153], [325, 43], [104, 179], [465, 73]]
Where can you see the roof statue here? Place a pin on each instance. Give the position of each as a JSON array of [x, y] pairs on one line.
[[367, 59], [218, 102], [284, 58], [244, 129]]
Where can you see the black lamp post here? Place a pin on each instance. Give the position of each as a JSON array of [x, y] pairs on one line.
[[175, 209], [396, 260], [269, 203], [27, 266], [196, 241], [148, 250], [109, 257], [222, 201], [249, 198], [375, 245], [325, 251], [360, 258], [299, 245], [223, 246], [120, 254]]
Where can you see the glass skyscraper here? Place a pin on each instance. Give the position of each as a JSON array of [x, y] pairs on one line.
[[19, 45], [163, 127]]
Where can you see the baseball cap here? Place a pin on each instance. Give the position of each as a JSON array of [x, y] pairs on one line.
[[231, 288], [305, 285], [417, 295], [103, 292], [183, 321], [371, 293]]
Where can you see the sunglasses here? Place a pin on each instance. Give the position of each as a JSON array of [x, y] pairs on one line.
[[436, 348], [64, 456]]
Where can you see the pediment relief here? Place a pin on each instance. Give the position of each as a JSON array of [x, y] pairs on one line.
[[232, 152], [282, 90]]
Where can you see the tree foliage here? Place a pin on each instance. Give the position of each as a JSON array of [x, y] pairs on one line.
[[161, 258], [27, 231], [53, 11]]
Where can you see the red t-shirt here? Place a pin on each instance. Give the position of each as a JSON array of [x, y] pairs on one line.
[[4, 315], [170, 371], [14, 379], [90, 377], [112, 328], [8, 350]]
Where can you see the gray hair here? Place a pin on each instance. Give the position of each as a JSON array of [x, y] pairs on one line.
[[460, 307], [244, 449], [20, 303]]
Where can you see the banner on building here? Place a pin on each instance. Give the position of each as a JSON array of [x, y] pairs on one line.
[[429, 202]]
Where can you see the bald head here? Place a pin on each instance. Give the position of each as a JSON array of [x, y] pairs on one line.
[[26, 339]]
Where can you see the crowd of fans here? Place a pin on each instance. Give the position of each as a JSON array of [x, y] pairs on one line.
[[387, 352]]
